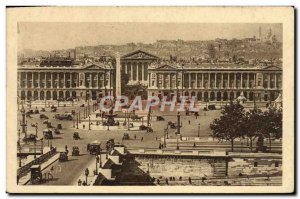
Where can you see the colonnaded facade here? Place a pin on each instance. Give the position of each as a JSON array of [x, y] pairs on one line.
[[207, 82], [53, 82], [215, 82]]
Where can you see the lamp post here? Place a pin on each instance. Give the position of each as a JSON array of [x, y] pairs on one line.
[[36, 129], [89, 123], [77, 120], [97, 161], [79, 117], [199, 130], [34, 149], [19, 145], [86, 173]]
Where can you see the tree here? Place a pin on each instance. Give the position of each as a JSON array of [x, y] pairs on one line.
[[229, 126], [253, 122], [272, 124]]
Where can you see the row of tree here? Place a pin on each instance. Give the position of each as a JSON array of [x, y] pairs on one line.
[[235, 122]]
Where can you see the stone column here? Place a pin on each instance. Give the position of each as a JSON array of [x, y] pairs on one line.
[[51, 79], [228, 80], [137, 71], [126, 68], [215, 80], [202, 80], [91, 81], [26, 80], [208, 80], [241, 80], [269, 80], [275, 81], [169, 79], [64, 80], [196, 80], [143, 78], [97, 80], [222, 79], [39, 79], [131, 76], [248, 80], [234, 83]]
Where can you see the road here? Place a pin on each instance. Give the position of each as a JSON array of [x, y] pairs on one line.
[[66, 173]]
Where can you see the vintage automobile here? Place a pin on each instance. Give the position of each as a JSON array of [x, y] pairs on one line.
[[59, 126], [94, 148], [43, 110], [56, 131], [63, 156], [76, 136], [75, 151], [160, 118], [73, 112], [64, 116], [205, 109], [30, 138], [42, 116], [45, 122], [211, 107], [36, 111], [53, 109], [49, 125], [36, 176], [82, 105], [30, 112], [126, 136], [47, 134], [172, 125]]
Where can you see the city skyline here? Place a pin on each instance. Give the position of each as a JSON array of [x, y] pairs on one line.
[[58, 36]]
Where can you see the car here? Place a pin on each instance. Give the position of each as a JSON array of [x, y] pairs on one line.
[[126, 136], [211, 107], [59, 126], [63, 156], [76, 136], [64, 116], [30, 138], [94, 148], [45, 122], [36, 111], [43, 110], [56, 131], [43, 116], [53, 109], [36, 176], [47, 134], [82, 105], [75, 151], [160, 118]]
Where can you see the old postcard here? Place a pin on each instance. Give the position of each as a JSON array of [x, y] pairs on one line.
[[182, 99]]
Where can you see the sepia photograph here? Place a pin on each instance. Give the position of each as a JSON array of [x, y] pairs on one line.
[[182, 105]]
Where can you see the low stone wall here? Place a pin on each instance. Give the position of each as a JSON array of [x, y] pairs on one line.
[[255, 166]]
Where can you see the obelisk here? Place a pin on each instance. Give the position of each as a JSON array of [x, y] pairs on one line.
[[118, 75]]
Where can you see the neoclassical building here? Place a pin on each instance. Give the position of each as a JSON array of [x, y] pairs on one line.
[[136, 65], [215, 82], [58, 81], [62, 79]]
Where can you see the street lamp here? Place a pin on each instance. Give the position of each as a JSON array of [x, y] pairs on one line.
[[199, 130], [97, 161], [77, 120], [36, 129], [86, 173], [89, 123]]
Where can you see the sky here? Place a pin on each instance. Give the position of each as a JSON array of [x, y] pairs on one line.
[[57, 36]]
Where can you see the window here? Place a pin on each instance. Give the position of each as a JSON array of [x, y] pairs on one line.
[[255, 164], [276, 164]]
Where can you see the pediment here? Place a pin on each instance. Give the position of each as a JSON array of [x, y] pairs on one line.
[[166, 67], [272, 68], [92, 66], [139, 54]]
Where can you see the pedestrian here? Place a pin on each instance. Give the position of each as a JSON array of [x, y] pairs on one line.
[[189, 121], [194, 145], [158, 181], [142, 139], [167, 182], [170, 178], [173, 178], [84, 183], [190, 180], [66, 147], [156, 138], [180, 178], [83, 126]]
